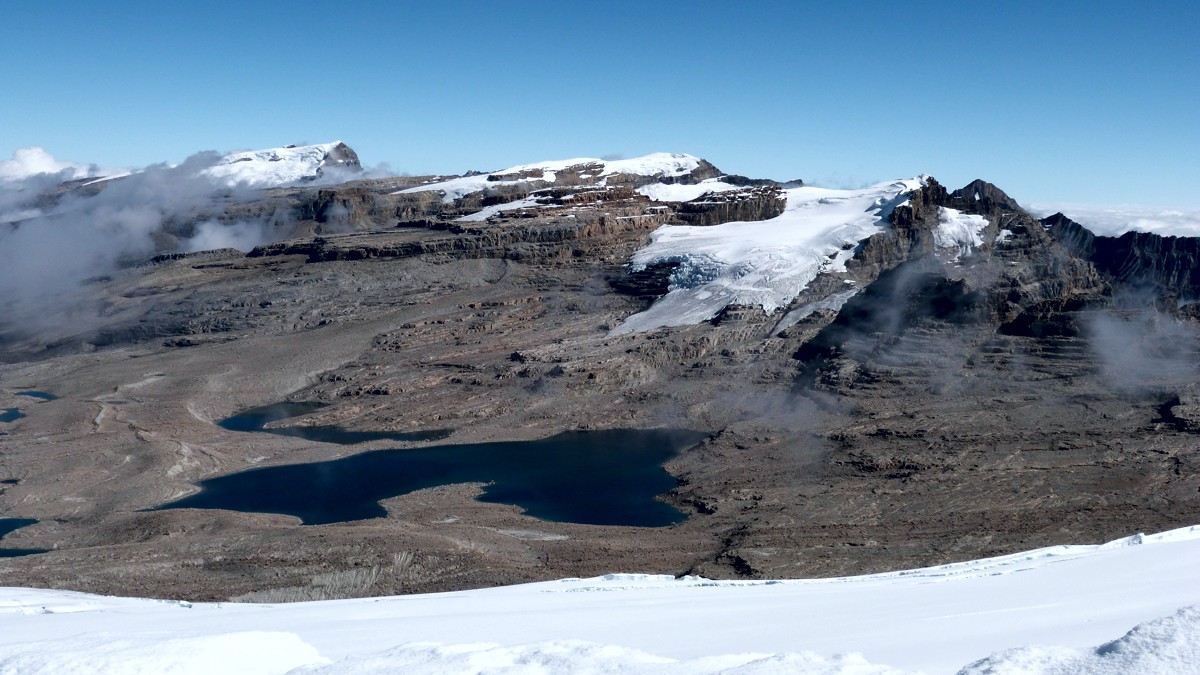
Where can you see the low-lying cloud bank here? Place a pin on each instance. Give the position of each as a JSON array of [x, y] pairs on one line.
[[1112, 221], [63, 224]]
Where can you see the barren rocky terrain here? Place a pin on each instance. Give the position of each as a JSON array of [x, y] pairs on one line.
[[1039, 390]]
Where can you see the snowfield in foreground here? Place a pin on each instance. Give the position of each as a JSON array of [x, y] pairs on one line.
[[765, 263], [1130, 606]]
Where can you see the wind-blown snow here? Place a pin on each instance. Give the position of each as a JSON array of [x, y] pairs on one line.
[[1062, 609], [1113, 221], [764, 263], [958, 230], [664, 164], [273, 167]]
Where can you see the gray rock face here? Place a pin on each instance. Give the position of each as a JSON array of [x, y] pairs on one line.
[[714, 208], [1165, 264], [340, 156]]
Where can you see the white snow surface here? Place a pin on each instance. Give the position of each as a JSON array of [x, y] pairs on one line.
[[678, 192], [767, 262], [273, 167], [1132, 605], [656, 164], [958, 230], [1113, 221]]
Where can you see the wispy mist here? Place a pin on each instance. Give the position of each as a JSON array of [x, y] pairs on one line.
[[1144, 350], [62, 227]]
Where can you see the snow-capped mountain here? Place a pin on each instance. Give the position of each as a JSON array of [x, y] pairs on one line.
[[283, 166]]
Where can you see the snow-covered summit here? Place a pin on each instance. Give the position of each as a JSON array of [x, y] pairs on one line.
[[655, 165], [766, 263], [283, 166]]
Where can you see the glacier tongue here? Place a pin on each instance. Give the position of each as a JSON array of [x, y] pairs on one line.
[[766, 263]]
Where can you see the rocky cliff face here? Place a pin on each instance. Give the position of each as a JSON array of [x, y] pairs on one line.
[[757, 203], [1164, 265]]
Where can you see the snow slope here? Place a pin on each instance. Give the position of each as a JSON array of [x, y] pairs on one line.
[[273, 167], [655, 164], [958, 230], [764, 263], [1063, 609], [676, 192]]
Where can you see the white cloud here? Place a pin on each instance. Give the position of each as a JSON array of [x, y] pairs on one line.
[[34, 161], [1113, 221]]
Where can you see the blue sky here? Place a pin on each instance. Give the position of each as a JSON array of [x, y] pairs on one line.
[[1094, 102]]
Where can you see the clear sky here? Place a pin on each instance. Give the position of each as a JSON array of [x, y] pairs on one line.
[[1088, 102]]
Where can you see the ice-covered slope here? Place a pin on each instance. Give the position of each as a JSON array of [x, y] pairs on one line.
[[283, 166], [664, 164], [1062, 609], [764, 263]]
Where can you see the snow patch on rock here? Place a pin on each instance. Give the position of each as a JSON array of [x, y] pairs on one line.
[[960, 231]]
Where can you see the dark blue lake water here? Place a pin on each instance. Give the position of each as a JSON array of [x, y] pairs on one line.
[[256, 419], [10, 414], [8, 525], [39, 395], [594, 477]]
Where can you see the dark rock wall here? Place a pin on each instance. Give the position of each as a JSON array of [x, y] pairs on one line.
[[760, 203], [1168, 264]]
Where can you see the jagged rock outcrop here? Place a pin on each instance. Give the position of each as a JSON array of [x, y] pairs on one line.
[[340, 156], [982, 197], [714, 208], [1166, 264], [1022, 283]]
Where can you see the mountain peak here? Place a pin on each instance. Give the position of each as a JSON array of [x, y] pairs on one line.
[[281, 166]]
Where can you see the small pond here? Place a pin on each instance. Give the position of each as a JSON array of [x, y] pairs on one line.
[[256, 419], [10, 414], [39, 395], [8, 525], [593, 477]]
